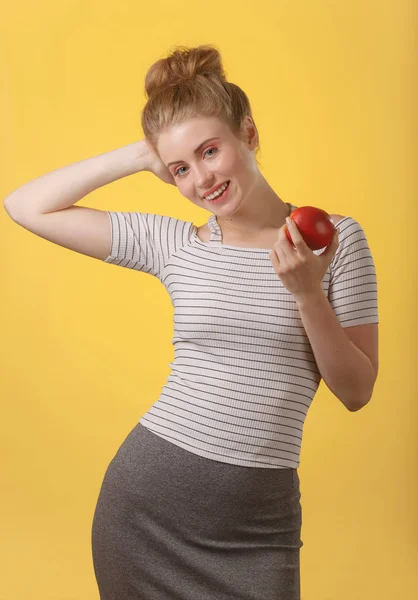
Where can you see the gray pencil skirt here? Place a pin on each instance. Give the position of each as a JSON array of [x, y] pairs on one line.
[[173, 525]]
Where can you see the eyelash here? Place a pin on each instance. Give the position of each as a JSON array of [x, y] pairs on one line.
[[176, 174]]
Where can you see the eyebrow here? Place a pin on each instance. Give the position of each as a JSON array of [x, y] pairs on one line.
[[195, 152]]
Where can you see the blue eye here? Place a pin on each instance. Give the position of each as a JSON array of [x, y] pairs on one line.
[[211, 149], [178, 174]]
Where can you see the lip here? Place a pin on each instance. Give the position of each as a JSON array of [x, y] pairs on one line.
[[213, 189], [222, 198]]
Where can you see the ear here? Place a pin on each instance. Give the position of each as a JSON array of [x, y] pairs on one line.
[[250, 133]]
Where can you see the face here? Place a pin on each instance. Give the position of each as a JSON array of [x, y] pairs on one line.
[[200, 165]]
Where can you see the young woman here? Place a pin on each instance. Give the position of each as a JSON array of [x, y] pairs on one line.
[[202, 499]]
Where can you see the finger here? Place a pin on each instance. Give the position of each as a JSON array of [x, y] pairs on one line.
[[274, 259], [297, 238], [279, 249], [285, 246]]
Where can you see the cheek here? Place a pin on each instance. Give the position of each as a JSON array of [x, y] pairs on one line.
[[236, 164], [187, 191]]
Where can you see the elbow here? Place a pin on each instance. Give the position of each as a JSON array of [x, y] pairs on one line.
[[353, 405], [362, 396], [353, 401], [8, 208]]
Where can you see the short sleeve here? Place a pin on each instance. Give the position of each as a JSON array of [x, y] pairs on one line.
[[145, 241], [352, 289]]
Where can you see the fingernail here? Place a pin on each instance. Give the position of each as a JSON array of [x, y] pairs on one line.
[[288, 219]]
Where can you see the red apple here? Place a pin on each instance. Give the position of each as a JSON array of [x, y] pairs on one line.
[[314, 224]]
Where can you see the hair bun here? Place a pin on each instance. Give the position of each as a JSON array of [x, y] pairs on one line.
[[182, 65]]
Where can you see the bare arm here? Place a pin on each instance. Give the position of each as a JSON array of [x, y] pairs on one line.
[[44, 206], [64, 187]]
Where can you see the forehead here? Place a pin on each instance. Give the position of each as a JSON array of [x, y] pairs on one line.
[[188, 135]]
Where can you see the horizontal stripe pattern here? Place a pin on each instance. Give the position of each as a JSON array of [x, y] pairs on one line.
[[244, 374]]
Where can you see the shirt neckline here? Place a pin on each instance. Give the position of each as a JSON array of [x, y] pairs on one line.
[[216, 236]]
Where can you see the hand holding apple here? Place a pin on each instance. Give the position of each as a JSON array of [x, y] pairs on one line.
[[300, 270], [314, 224]]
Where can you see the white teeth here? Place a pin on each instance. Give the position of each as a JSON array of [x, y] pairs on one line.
[[218, 192]]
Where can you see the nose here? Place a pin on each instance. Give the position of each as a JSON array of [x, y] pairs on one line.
[[204, 180]]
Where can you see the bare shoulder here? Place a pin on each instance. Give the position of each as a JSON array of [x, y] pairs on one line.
[[203, 233], [336, 218]]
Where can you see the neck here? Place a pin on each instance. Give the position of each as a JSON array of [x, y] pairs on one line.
[[261, 211]]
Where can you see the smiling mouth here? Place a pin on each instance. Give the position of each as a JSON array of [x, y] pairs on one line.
[[219, 195]]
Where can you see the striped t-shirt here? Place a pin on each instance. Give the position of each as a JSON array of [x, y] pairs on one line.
[[244, 374]]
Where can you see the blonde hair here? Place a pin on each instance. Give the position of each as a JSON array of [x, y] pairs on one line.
[[189, 83]]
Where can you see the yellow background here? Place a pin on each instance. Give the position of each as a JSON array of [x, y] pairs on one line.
[[86, 345]]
